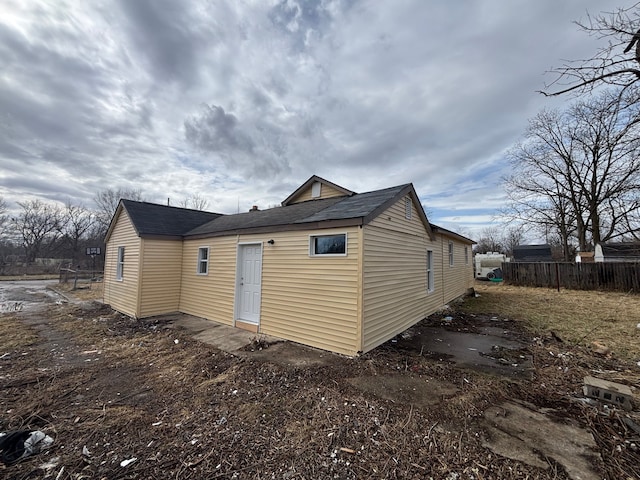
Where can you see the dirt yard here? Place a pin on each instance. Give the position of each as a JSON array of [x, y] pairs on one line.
[[483, 390]]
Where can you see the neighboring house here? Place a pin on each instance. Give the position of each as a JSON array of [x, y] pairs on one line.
[[330, 268], [532, 253], [585, 257], [617, 252]]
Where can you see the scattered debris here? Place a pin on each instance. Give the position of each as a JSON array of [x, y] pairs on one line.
[[126, 463], [50, 464], [20, 444], [607, 391], [600, 349]]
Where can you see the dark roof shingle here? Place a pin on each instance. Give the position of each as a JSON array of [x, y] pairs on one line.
[[356, 206], [265, 218], [154, 219]]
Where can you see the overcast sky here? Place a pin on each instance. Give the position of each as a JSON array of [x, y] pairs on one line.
[[242, 101]]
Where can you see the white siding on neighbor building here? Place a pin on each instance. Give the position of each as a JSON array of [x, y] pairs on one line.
[[122, 295], [161, 271]]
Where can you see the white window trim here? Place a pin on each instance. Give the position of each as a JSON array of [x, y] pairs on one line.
[[451, 259], [431, 281], [312, 253], [120, 264], [466, 255], [200, 261]]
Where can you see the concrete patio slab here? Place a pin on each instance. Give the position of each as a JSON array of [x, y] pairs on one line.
[[224, 337]]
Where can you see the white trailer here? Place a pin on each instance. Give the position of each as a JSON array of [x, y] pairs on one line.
[[489, 265]]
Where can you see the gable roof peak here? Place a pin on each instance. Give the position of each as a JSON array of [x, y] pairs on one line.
[[313, 179]]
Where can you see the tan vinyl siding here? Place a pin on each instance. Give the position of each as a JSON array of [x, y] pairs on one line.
[[326, 191], [395, 275], [160, 276], [122, 295], [395, 283], [394, 218], [459, 278], [311, 300], [209, 296]]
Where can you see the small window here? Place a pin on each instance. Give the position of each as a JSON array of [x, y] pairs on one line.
[[203, 260], [407, 208], [466, 255], [430, 283], [451, 254], [120, 264], [328, 244], [316, 189]]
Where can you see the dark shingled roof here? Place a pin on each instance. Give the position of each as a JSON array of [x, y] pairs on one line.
[[621, 249], [154, 219], [356, 209], [265, 218], [532, 253], [356, 206]]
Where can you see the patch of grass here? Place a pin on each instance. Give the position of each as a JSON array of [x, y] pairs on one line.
[[15, 334], [8, 278], [84, 290], [579, 317]]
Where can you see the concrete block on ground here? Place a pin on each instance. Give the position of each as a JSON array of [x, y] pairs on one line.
[[607, 391]]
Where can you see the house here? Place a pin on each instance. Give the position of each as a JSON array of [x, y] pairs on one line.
[[330, 268], [532, 253], [617, 252], [585, 257]]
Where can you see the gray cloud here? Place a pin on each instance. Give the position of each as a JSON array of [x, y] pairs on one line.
[[168, 35], [216, 131], [246, 101]]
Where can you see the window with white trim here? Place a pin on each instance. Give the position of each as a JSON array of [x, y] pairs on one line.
[[407, 208], [430, 280], [203, 260], [451, 254], [316, 189], [120, 264], [328, 244], [466, 255]]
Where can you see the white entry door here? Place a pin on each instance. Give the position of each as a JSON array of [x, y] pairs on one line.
[[249, 281]]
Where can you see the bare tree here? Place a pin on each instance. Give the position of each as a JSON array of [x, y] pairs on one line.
[[577, 172], [106, 203], [4, 218], [512, 236], [78, 223], [195, 201], [616, 62], [38, 225], [490, 240]]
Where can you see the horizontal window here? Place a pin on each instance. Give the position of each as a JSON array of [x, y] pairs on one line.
[[328, 244]]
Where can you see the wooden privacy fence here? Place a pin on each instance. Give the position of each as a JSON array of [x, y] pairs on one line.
[[624, 277]]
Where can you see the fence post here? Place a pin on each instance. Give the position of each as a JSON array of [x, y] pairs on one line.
[[558, 275]]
